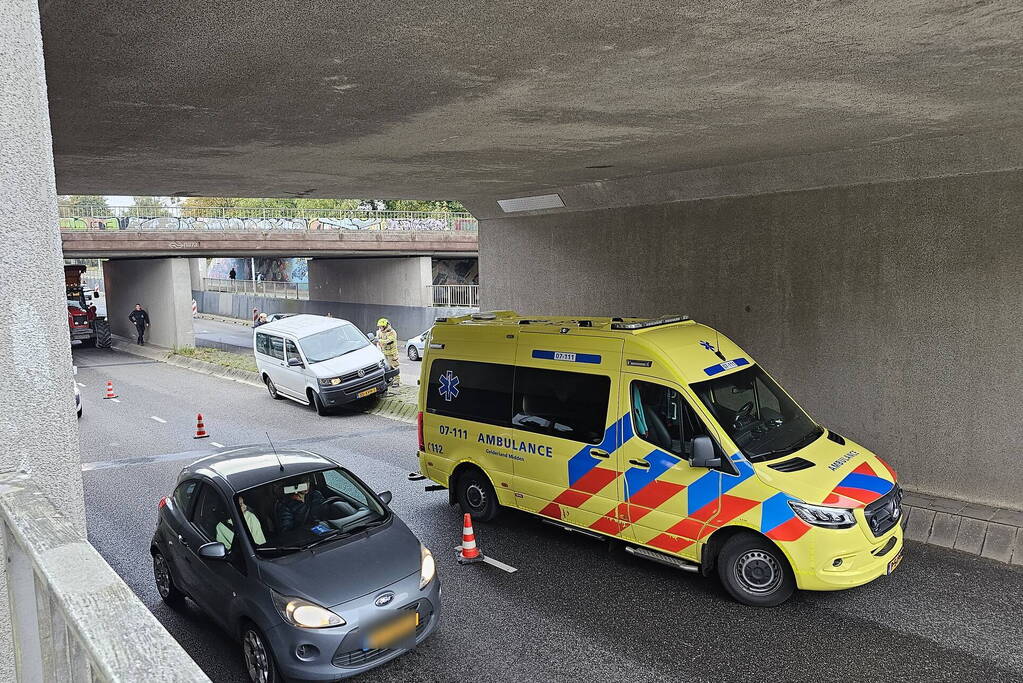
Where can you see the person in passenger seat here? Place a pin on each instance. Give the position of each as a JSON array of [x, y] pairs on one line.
[[225, 529]]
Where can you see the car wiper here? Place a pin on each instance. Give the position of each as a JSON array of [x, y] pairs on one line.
[[283, 548], [368, 525], [322, 539], [796, 445]]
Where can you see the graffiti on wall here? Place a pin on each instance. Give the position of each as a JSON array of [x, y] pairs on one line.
[[264, 224], [456, 271], [267, 269]]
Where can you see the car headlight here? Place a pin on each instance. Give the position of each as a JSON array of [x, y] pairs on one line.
[[305, 614], [824, 515], [330, 381], [428, 568]]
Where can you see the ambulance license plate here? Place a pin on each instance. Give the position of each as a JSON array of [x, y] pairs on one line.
[[393, 631], [368, 392], [895, 562]]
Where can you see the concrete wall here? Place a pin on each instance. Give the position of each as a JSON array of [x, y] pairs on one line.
[[38, 430], [388, 281], [163, 287], [890, 311], [408, 321]]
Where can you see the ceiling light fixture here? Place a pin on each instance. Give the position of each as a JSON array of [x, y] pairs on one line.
[[535, 203]]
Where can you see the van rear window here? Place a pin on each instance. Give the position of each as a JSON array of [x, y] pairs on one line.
[[468, 390]]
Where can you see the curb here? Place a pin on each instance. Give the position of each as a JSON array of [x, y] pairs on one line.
[[988, 532], [391, 407]]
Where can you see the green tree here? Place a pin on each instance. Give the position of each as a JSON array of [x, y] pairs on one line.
[[151, 207], [90, 204]]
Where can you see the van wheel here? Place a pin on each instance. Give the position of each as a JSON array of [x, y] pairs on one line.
[[321, 409], [755, 572], [476, 496], [272, 388]]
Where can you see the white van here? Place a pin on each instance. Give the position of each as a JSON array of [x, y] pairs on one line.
[[325, 362]]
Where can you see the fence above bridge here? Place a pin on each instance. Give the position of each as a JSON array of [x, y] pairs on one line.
[[258, 219]]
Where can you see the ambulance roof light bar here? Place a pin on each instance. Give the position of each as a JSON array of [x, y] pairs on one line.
[[653, 322]]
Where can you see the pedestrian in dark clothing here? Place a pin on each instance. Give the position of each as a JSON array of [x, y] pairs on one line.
[[255, 317], [140, 319], [232, 274]]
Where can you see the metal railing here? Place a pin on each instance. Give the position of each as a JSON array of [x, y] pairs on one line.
[[455, 295], [267, 288], [261, 219], [72, 617]]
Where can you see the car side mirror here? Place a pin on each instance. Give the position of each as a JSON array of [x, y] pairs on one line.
[[385, 497], [296, 363], [703, 453], [213, 551], [370, 336]]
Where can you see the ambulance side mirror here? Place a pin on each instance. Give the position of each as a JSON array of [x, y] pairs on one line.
[[703, 453]]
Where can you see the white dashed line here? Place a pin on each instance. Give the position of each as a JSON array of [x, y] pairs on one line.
[[217, 445], [158, 419], [500, 565], [79, 384], [115, 400]]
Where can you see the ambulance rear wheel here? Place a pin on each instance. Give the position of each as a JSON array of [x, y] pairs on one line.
[[476, 496], [755, 572]]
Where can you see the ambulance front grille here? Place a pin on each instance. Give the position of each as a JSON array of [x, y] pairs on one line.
[[885, 512]]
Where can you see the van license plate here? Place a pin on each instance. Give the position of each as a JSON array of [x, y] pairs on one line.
[[895, 562], [394, 631], [368, 392]]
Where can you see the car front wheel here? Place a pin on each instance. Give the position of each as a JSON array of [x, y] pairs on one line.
[[259, 660], [413, 352], [755, 572]]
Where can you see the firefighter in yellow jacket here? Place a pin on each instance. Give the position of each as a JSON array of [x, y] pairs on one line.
[[387, 340]]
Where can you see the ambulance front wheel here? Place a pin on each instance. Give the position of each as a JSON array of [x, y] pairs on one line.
[[476, 496], [755, 572]]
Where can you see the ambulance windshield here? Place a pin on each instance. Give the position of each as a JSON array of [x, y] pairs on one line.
[[759, 417]]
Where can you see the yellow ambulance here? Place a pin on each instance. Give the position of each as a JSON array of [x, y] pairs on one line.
[[660, 433]]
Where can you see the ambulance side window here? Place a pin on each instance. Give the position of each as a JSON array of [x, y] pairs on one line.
[[481, 392], [662, 416], [568, 405]]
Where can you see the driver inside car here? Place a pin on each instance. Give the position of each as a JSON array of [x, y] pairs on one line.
[[300, 505]]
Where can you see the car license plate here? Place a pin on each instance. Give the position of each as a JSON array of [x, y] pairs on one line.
[[394, 631], [368, 392], [895, 562]]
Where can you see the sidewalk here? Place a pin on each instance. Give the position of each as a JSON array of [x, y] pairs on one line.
[[994, 533]]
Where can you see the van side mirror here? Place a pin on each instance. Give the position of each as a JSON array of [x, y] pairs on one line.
[[295, 362], [212, 551], [371, 336], [385, 496], [703, 453]]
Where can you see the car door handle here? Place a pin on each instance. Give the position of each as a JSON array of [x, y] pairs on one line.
[[598, 453], [640, 463]]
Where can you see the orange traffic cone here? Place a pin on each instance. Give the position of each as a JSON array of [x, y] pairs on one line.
[[468, 552], [110, 390], [200, 428]]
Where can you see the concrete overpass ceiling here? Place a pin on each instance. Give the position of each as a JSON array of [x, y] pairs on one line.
[[466, 100]]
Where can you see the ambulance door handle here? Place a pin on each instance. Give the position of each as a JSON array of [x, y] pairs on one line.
[[597, 453], [640, 463]]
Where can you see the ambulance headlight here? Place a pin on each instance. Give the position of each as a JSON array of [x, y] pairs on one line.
[[428, 568], [824, 515]]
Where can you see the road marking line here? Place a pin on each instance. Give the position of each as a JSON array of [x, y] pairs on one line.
[[115, 400], [158, 419], [218, 445], [79, 384], [495, 563]]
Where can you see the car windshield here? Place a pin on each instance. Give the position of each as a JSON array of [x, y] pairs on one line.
[[337, 341], [302, 512], [759, 417]]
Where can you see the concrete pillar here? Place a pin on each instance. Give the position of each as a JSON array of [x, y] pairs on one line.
[[379, 281], [196, 272], [163, 287], [38, 430]]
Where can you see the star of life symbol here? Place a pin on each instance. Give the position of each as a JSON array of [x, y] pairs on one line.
[[448, 386], [707, 345]]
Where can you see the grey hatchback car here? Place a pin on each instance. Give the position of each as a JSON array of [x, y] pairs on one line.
[[297, 558]]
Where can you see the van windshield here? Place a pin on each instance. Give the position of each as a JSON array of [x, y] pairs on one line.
[[332, 343], [759, 417]]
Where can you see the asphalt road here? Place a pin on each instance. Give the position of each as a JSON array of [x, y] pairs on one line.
[[575, 610], [235, 337]]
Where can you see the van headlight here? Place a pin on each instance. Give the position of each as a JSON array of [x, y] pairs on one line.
[[428, 568], [305, 614], [330, 382], [824, 515]]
